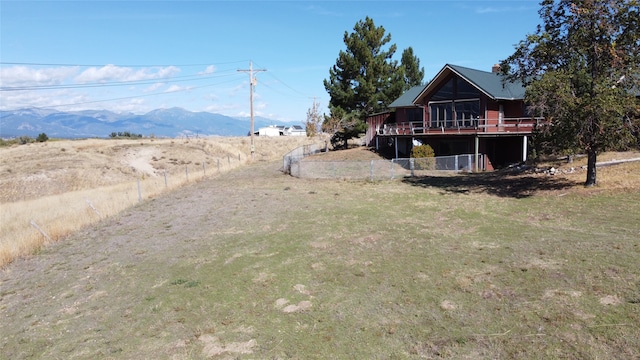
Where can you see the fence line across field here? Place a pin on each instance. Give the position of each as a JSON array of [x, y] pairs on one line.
[[86, 206]]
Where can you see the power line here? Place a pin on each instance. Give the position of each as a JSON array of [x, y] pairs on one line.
[[113, 83], [120, 65], [287, 85], [126, 97], [218, 74]]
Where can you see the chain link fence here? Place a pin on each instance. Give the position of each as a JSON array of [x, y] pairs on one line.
[[380, 169], [297, 154]]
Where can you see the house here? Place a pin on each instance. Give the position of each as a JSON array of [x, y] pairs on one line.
[[272, 130], [295, 130], [461, 111]]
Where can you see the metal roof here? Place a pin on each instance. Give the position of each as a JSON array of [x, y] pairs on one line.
[[408, 98], [491, 84]]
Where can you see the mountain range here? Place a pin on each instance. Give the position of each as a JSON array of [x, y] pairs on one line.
[[172, 122]]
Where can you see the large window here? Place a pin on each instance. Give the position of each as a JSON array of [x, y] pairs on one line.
[[455, 104], [466, 112], [461, 113], [445, 92]]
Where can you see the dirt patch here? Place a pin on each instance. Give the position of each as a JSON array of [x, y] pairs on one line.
[[447, 305], [610, 300], [301, 306], [214, 347], [141, 160]]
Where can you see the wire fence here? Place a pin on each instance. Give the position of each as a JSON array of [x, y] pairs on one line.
[[27, 224], [297, 154], [381, 169]]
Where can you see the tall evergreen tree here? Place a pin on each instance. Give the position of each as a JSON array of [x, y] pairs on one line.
[[413, 73], [365, 78], [582, 71]]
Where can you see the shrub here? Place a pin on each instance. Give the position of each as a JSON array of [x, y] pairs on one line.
[[25, 140], [422, 151], [424, 157], [42, 137]]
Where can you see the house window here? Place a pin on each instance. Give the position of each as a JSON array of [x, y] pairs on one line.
[[445, 92], [464, 112], [414, 114], [456, 88], [441, 114], [455, 104], [464, 90]]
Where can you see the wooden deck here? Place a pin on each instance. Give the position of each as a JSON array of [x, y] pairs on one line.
[[475, 126]]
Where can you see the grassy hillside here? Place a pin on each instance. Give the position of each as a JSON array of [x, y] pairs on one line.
[[49, 190]]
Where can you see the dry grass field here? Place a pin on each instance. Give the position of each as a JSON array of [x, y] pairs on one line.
[[254, 264], [57, 187]]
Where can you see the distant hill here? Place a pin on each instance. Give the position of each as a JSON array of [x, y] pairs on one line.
[[173, 122]]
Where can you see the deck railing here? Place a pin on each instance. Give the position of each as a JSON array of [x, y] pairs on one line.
[[509, 125]]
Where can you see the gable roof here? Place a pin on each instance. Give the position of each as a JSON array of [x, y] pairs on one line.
[[489, 83], [408, 98]]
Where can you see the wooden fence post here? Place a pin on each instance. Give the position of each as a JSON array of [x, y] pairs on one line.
[[33, 223], [93, 207]]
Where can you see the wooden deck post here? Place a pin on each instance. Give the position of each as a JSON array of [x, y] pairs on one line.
[[476, 151], [396, 144]]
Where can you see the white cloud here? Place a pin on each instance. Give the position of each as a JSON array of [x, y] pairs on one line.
[[209, 70], [176, 88], [119, 73], [16, 76], [42, 99], [137, 106], [153, 87]]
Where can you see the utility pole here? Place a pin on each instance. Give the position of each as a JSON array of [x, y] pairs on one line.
[[252, 83]]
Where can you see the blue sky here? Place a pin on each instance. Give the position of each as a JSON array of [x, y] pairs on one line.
[[136, 56]]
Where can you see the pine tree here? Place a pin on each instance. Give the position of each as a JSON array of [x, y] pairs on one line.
[[365, 78], [413, 73]]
